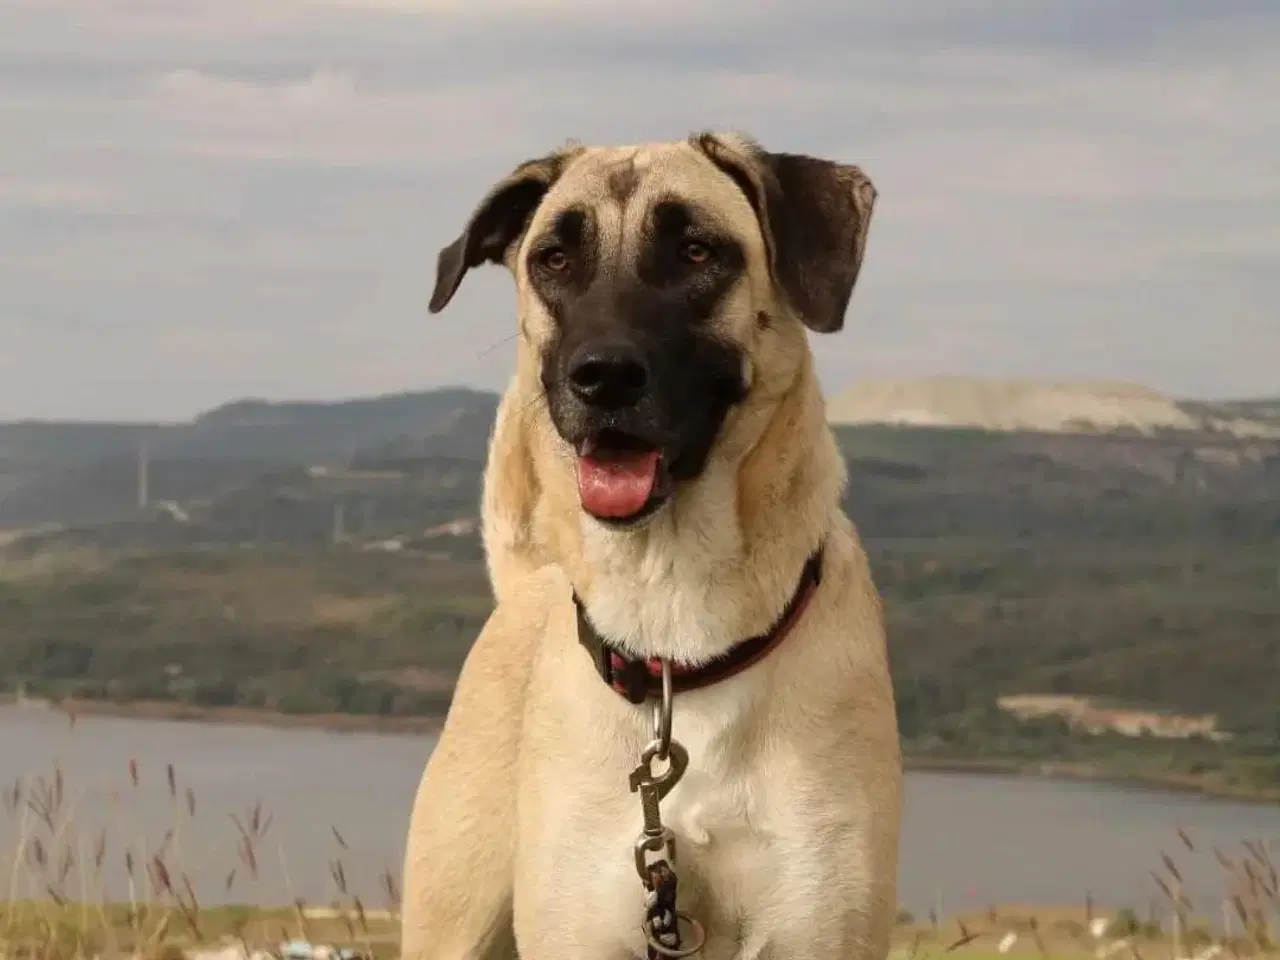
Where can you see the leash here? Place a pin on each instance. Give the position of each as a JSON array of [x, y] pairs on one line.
[[655, 680], [662, 918]]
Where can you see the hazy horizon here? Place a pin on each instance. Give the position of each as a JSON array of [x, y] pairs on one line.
[[162, 420], [206, 202]]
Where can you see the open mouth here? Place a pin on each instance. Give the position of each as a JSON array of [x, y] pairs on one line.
[[620, 477]]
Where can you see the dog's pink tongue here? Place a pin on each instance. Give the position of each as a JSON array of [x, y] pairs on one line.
[[618, 487]]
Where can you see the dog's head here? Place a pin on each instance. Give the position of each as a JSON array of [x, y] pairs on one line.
[[658, 287]]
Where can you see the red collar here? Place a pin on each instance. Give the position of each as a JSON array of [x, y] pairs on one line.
[[637, 680]]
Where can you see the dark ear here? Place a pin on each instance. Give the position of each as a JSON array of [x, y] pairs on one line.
[[814, 215], [497, 223]]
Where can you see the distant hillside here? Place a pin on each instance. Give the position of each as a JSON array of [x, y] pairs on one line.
[[1042, 406], [1111, 568], [88, 473], [245, 452], [35, 444], [905, 482], [1262, 410], [29, 449], [1107, 488], [452, 422]]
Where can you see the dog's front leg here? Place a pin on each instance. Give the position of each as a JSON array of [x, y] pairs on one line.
[[461, 845]]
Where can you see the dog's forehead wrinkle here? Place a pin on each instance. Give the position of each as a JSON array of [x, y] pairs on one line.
[[636, 177], [623, 179]]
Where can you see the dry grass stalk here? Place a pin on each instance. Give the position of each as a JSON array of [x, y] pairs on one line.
[[56, 906]]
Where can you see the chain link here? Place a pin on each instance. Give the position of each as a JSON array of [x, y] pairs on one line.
[[662, 920]]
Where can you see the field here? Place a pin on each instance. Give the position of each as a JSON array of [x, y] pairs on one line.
[[54, 906]]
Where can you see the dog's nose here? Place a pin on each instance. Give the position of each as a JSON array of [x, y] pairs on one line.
[[609, 376]]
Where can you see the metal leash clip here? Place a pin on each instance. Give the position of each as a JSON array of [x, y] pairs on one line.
[[661, 925]]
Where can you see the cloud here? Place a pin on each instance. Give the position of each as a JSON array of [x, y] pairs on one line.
[[199, 200]]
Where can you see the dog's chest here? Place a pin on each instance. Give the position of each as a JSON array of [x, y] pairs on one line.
[[727, 826]]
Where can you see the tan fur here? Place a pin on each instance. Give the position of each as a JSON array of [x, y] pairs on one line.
[[788, 817]]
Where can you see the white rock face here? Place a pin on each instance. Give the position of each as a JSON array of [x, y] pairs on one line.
[[1012, 405]]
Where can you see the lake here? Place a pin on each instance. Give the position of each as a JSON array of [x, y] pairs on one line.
[[969, 840]]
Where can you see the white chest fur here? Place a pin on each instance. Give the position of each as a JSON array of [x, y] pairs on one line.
[[734, 824], [777, 818]]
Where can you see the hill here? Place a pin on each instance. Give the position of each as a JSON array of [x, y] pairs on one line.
[[1070, 406], [906, 482], [52, 473], [84, 473]]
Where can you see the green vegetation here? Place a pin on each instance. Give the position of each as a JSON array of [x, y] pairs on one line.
[[1138, 627], [302, 633]]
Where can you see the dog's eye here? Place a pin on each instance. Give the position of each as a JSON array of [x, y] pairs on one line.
[[554, 259], [695, 252]]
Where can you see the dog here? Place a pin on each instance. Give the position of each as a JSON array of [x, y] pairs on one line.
[[662, 486]]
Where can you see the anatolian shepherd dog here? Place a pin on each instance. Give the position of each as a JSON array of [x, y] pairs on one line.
[[663, 485]]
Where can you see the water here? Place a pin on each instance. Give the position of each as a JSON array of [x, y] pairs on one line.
[[969, 840]]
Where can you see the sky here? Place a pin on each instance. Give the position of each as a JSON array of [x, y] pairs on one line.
[[201, 201]]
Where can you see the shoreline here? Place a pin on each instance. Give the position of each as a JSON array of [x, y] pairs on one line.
[[1092, 773], [170, 712], [431, 724]]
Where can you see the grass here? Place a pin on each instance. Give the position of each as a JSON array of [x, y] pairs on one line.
[[1245, 922], [55, 906], [1074, 933]]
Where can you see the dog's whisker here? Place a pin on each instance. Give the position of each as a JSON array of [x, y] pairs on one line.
[[495, 345]]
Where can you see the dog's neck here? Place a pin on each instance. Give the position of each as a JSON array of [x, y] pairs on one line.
[[721, 561]]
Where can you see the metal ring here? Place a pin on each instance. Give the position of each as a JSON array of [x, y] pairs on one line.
[[699, 938], [662, 713]]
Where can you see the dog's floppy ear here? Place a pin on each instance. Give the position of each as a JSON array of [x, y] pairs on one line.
[[814, 215], [497, 223]]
